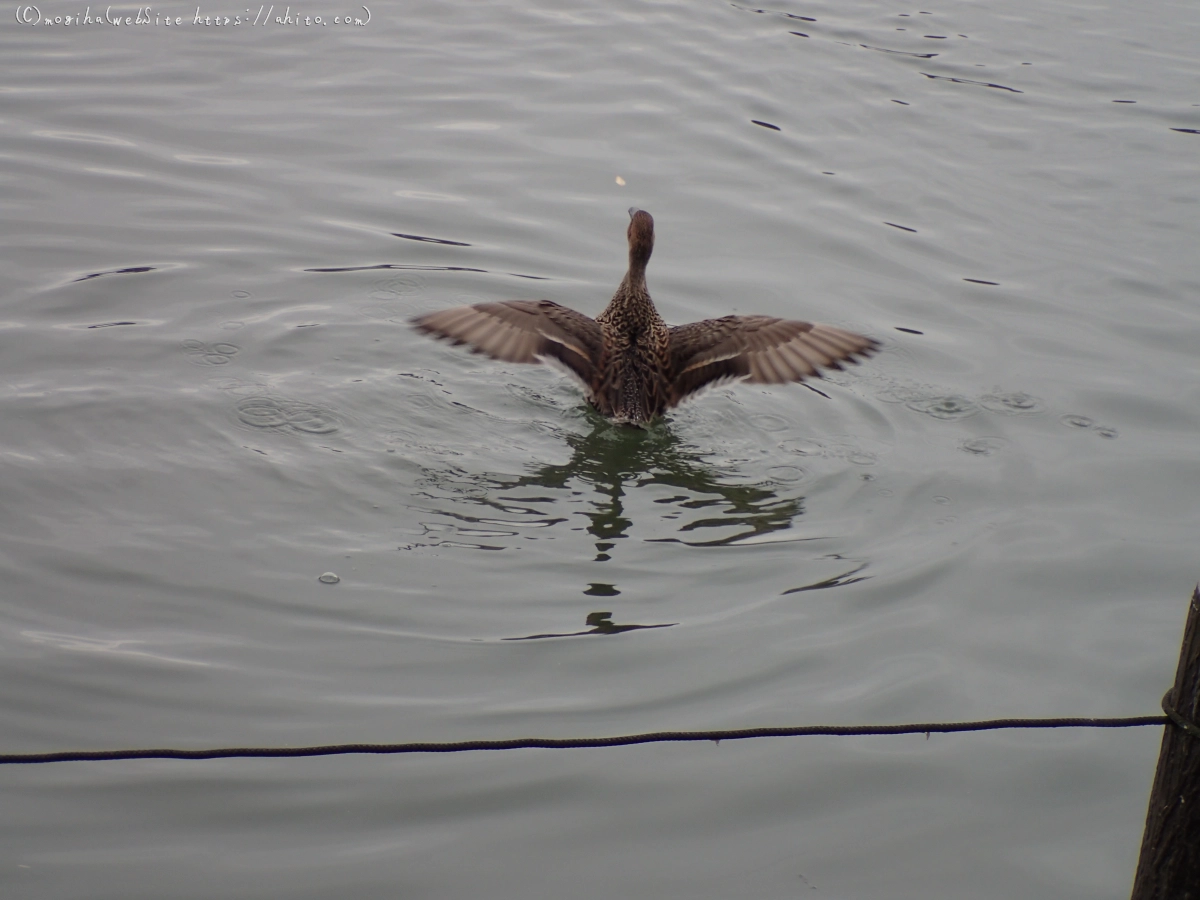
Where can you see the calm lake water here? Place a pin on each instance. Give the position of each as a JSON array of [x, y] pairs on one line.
[[215, 237]]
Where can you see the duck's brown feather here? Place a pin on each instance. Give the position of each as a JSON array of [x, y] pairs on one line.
[[758, 349], [522, 331]]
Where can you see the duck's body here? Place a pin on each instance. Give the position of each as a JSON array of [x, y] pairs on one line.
[[632, 364]]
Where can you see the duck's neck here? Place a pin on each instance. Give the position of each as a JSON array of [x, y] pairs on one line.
[[631, 302], [633, 285]]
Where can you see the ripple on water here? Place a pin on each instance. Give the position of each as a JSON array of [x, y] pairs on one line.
[[803, 447], [983, 446], [851, 452], [953, 406], [862, 458], [420, 401], [281, 414], [238, 386], [769, 422], [202, 354], [531, 395], [547, 428], [389, 288], [380, 310], [786, 474], [900, 393], [1072, 420], [412, 442], [1017, 403]]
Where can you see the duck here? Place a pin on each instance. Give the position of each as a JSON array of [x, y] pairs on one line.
[[632, 365]]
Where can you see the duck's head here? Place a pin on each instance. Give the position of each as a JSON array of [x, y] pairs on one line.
[[641, 237]]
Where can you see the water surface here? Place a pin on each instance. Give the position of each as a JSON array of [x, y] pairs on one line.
[[215, 239]]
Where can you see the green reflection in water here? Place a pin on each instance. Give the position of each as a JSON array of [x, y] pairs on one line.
[[614, 459]]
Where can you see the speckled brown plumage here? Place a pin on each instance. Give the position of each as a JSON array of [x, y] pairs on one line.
[[632, 364]]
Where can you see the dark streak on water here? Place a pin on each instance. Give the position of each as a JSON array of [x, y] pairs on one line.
[[898, 52], [969, 81], [338, 269], [132, 270], [836, 581], [429, 240], [600, 622]]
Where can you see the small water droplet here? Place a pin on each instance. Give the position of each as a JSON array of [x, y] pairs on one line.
[[329, 578], [203, 354], [311, 420], [769, 422], [261, 412], [951, 407], [785, 474], [942, 500], [983, 446], [803, 448], [900, 394], [1105, 431], [1017, 403], [1075, 421]]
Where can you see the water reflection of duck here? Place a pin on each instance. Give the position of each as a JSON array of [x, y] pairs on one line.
[[632, 364]]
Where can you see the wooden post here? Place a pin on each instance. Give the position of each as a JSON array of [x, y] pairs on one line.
[[1169, 865]]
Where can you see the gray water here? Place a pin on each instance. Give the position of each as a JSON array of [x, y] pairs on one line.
[[209, 397]]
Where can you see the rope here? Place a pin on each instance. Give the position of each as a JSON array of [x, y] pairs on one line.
[[656, 737], [1172, 713]]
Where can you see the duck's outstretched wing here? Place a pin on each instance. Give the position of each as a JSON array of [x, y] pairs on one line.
[[522, 331], [758, 349]]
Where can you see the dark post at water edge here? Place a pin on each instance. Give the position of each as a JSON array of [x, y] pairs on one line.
[[1169, 865]]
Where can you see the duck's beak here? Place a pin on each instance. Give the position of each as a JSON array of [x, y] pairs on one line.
[[633, 210]]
